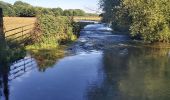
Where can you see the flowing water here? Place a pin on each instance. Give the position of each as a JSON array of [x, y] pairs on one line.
[[100, 66]]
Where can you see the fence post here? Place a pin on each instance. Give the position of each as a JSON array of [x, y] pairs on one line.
[[22, 33], [2, 36]]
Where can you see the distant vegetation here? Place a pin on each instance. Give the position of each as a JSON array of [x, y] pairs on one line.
[[145, 19], [22, 9]]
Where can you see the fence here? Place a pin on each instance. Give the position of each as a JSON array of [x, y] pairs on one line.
[[19, 35]]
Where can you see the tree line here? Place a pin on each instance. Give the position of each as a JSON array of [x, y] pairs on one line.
[[22, 9], [147, 19]]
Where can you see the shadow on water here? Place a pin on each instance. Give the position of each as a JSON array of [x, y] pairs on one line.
[[18, 62], [9, 55], [134, 74]]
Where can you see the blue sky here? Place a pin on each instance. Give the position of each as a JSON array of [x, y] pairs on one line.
[[65, 4]]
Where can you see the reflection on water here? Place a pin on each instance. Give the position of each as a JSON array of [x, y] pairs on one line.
[[21, 67], [10, 72], [47, 57], [16, 70], [139, 74], [121, 73]]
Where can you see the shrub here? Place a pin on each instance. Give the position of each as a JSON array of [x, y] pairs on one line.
[[53, 30]]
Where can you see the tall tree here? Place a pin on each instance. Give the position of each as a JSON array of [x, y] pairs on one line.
[[149, 19]]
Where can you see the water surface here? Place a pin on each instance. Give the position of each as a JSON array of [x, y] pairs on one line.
[[101, 66]]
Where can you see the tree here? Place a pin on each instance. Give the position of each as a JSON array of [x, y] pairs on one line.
[[57, 11], [23, 9], [7, 9], [68, 12], [78, 12], [150, 19], [20, 3], [47, 11], [115, 14]]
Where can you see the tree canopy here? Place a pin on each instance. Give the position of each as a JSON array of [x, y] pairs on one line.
[[22, 9], [149, 19]]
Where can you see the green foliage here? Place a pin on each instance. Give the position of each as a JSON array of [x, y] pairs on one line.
[[68, 13], [74, 12], [46, 11], [22, 9], [53, 30], [149, 19], [78, 12], [7, 9], [115, 14], [20, 3], [57, 11]]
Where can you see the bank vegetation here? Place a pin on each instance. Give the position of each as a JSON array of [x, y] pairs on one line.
[[148, 20]]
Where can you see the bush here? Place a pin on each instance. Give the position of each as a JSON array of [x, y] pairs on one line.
[[53, 30]]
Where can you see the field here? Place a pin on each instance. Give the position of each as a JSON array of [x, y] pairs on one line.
[[15, 22]]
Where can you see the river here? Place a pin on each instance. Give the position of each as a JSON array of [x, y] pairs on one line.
[[100, 65]]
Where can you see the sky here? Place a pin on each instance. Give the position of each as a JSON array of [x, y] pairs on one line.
[[87, 5]]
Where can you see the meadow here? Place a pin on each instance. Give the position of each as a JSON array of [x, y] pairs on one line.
[[14, 22], [11, 23]]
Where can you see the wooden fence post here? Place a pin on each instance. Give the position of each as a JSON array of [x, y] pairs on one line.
[[2, 36]]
